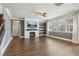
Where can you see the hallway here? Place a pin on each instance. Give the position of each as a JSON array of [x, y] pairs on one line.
[[43, 46]]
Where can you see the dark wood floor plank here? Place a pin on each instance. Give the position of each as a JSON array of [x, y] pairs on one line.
[[43, 46]]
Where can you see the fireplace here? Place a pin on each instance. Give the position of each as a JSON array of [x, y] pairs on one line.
[[32, 34]]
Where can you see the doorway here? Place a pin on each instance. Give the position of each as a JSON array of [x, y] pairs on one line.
[[15, 28]]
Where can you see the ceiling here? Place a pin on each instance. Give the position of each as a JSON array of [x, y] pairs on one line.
[[30, 9]]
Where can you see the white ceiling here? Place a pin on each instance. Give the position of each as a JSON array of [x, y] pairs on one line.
[[30, 9]]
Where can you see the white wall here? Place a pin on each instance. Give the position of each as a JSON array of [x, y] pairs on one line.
[[1, 9], [75, 28], [78, 27]]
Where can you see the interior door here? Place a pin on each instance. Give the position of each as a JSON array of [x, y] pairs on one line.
[[16, 25]]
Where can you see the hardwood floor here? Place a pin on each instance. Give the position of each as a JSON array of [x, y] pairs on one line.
[[43, 46]]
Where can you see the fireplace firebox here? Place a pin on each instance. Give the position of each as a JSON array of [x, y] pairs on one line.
[[32, 34]]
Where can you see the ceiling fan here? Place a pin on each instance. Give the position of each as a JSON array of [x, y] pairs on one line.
[[43, 14]]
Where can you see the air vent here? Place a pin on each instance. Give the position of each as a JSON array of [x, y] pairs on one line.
[[58, 4]]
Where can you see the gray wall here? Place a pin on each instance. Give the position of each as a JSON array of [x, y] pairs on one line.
[[61, 34]]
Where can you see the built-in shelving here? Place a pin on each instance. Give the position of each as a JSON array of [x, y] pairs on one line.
[[42, 28]]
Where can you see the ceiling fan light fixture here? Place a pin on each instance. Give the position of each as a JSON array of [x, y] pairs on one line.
[[44, 15]]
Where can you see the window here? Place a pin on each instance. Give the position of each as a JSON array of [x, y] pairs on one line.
[[62, 28], [64, 24], [69, 28], [69, 20]]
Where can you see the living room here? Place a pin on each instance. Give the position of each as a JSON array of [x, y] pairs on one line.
[[39, 29]]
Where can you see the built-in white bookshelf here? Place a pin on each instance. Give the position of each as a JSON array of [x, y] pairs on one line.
[[42, 28]]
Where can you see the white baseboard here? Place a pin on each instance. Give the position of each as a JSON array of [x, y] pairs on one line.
[[4, 48], [64, 39], [75, 42], [60, 38], [21, 36]]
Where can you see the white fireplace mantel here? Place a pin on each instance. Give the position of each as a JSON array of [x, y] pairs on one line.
[[26, 32]]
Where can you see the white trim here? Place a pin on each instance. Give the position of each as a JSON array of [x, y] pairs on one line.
[[61, 31], [19, 29], [78, 27], [4, 48], [61, 38], [21, 36], [75, 28]]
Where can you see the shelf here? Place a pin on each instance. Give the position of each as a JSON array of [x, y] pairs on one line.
[[42, 34], [32, 29], [42, 29], [42, 26]]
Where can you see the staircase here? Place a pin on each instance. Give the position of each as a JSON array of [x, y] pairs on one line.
[[2, 24], [1, 37], [5, 30]]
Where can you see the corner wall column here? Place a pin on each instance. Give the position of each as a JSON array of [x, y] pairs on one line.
[[75, 28]]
